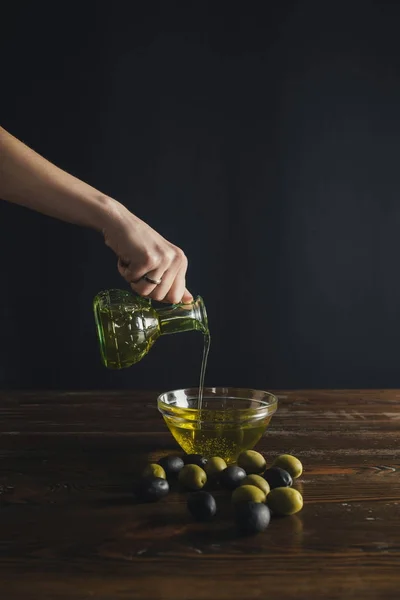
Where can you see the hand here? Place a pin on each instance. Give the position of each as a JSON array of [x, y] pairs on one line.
[[29, 180], [142, 251]]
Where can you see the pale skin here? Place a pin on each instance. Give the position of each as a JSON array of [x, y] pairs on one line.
[[28, 179]]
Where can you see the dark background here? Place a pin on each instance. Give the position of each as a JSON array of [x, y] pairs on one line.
[[263, 139]]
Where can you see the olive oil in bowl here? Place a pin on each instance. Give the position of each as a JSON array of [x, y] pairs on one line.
[[230, 420]]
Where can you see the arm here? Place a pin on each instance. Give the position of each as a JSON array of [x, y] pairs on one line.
[[28, 179], [31, 181]]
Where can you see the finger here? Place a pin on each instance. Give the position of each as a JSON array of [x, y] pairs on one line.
[[177, 289], [178, 263], [140, 286], [163, 288], [134, 274], [144, 287], [187, 297], [124, 269]]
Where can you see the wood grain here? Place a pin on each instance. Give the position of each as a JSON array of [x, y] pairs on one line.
[[69, 526]]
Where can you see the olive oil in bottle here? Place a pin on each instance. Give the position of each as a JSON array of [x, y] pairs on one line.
[[128, 326]]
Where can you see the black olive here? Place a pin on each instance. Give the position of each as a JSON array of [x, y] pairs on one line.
[[231, 477], [171, 464], [195, 459], [252, 517], [278, 477], [151, 490], [202, 506]]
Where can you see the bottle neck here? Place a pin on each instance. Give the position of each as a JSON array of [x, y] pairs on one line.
[[183, 317]]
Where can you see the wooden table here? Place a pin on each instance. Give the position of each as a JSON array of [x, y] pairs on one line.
[[69, 528]]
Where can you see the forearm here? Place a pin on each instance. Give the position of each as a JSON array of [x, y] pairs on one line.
[[28, 179]]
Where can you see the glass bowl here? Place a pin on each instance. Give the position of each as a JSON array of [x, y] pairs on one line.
[[230, 420]]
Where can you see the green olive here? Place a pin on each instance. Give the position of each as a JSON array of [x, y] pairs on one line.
[[289, 463], [251, 461], [192, 477], [214, 466], [258, 481], [248, 493], [285, 501], [154, 470]]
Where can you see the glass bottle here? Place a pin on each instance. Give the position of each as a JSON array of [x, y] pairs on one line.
[[127, 325]]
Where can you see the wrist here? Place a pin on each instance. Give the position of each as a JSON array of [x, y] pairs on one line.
[[104, 212], [109, 214]]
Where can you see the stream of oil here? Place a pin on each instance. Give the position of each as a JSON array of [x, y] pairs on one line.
[[206, 350]]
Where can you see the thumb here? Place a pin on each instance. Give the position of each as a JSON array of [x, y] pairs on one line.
[[187, 297]]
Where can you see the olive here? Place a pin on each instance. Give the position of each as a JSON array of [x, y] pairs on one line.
[[154, 470], [202, 506], [153, 489], [231, 477], [192, 477], [248, 493], [214, 466], [278, 477], [290, 463], [258, 481], [171, 464], [252, 517], [285, 501], [251, 461], [195, 459]]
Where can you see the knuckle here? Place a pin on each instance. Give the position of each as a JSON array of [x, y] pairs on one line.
[[174, 298], [145, 292], [184, 260], [122, 271], [141, 287], [169, 255], [131, 276], [177, 255], [151, 259], [156, 295]]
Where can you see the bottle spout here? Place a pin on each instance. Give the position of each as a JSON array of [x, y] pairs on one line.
[[201, 315], [184, 317]]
